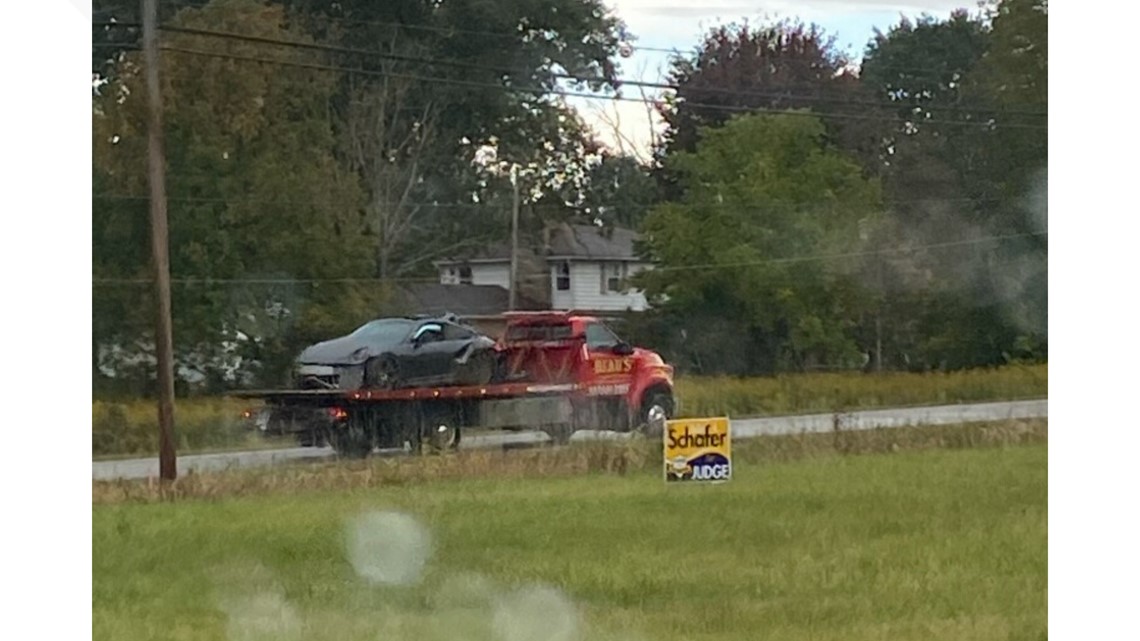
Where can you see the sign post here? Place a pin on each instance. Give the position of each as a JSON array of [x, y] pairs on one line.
[[698, 450]]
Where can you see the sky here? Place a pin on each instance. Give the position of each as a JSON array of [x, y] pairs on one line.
[[680, 24]]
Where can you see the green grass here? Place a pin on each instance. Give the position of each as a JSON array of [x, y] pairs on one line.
[[924, 545], [211, 424]]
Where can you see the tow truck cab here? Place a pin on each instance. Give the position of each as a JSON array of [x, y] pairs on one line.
[[569, 348]]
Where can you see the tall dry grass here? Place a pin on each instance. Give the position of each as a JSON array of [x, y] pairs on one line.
[[123, 428], [827, 392], [200, 424], [594, 457]]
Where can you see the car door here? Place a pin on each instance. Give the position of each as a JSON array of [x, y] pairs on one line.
[[456, 339], [427, 353]]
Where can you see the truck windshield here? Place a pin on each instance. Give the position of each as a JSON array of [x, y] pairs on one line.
[[538, 332]]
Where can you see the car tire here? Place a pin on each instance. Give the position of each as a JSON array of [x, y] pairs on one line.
[[382, 372], [656, 408], [479, 369]]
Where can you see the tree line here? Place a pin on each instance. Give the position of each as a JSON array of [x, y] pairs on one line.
[[803, 212]]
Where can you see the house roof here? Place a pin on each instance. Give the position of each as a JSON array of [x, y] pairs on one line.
[[565, 241], [589, 241], [463, 300]]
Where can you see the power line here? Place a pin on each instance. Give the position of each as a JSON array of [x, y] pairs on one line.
[[694, 50], [541, 91], [773, 207], [676, 268], [449, 31], [514, 36], [617, 82], [863, 254]]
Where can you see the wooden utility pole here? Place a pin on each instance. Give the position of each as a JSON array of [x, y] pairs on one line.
[[514, 241], [159, 242]]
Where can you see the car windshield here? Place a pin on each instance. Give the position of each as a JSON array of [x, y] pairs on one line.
[[388, 330]]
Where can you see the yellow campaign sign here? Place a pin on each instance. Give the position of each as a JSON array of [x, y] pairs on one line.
[[698, 449]]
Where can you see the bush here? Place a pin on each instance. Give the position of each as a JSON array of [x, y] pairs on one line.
[[132, 427]]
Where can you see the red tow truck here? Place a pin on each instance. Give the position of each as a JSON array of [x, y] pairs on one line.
[[559, 372]]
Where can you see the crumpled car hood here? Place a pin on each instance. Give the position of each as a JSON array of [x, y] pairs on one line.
[[338, 351]]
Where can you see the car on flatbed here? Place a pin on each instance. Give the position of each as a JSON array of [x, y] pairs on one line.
[[393, 353]]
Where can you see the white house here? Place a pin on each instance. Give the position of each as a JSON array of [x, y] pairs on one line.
[[588, 269]]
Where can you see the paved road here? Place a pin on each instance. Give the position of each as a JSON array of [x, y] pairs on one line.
[[741, 428]]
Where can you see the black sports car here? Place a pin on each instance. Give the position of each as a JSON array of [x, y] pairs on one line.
[[390, 353]]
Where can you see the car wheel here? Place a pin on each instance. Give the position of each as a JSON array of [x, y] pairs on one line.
[[382, 372], [480, 369], [655, 410]]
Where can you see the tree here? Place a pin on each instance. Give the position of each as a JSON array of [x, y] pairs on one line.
[[446, 93], [1014, 76], [944, 162], [620, 191], [303, 179], [1013, 167], [921, 66], [255, 194], [781, 66], [743, 256]]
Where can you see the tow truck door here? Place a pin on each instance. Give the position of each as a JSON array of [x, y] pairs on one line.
[[608, 368]]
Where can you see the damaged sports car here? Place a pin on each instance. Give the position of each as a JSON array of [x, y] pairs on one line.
[[392, 353]]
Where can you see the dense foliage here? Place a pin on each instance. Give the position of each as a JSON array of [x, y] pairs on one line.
[[804, 213]]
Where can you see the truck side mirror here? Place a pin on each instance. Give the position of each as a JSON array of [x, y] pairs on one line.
[[623, 348]]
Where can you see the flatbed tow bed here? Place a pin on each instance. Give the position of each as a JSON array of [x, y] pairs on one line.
[[569, 384], [499, 390]]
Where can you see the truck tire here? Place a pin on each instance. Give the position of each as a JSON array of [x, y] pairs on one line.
[[349, 444], [559, 434], [352, 439], [436, 431], [656, 408], [439, 437]]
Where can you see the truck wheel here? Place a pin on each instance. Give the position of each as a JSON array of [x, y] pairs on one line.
[[349, 444], [382, 372], [439, 437], [352, 438], [438, 431], [655, 410], [559, 434]]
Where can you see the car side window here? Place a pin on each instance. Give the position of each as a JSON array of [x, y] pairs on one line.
[[456, 333], [599, 336], [428, 333]]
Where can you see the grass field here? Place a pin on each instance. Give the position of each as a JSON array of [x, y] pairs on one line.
[[927, 544], [208, 424]]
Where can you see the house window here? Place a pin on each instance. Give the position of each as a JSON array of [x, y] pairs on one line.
[[465, 275], [613, 277], [562, 276]]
